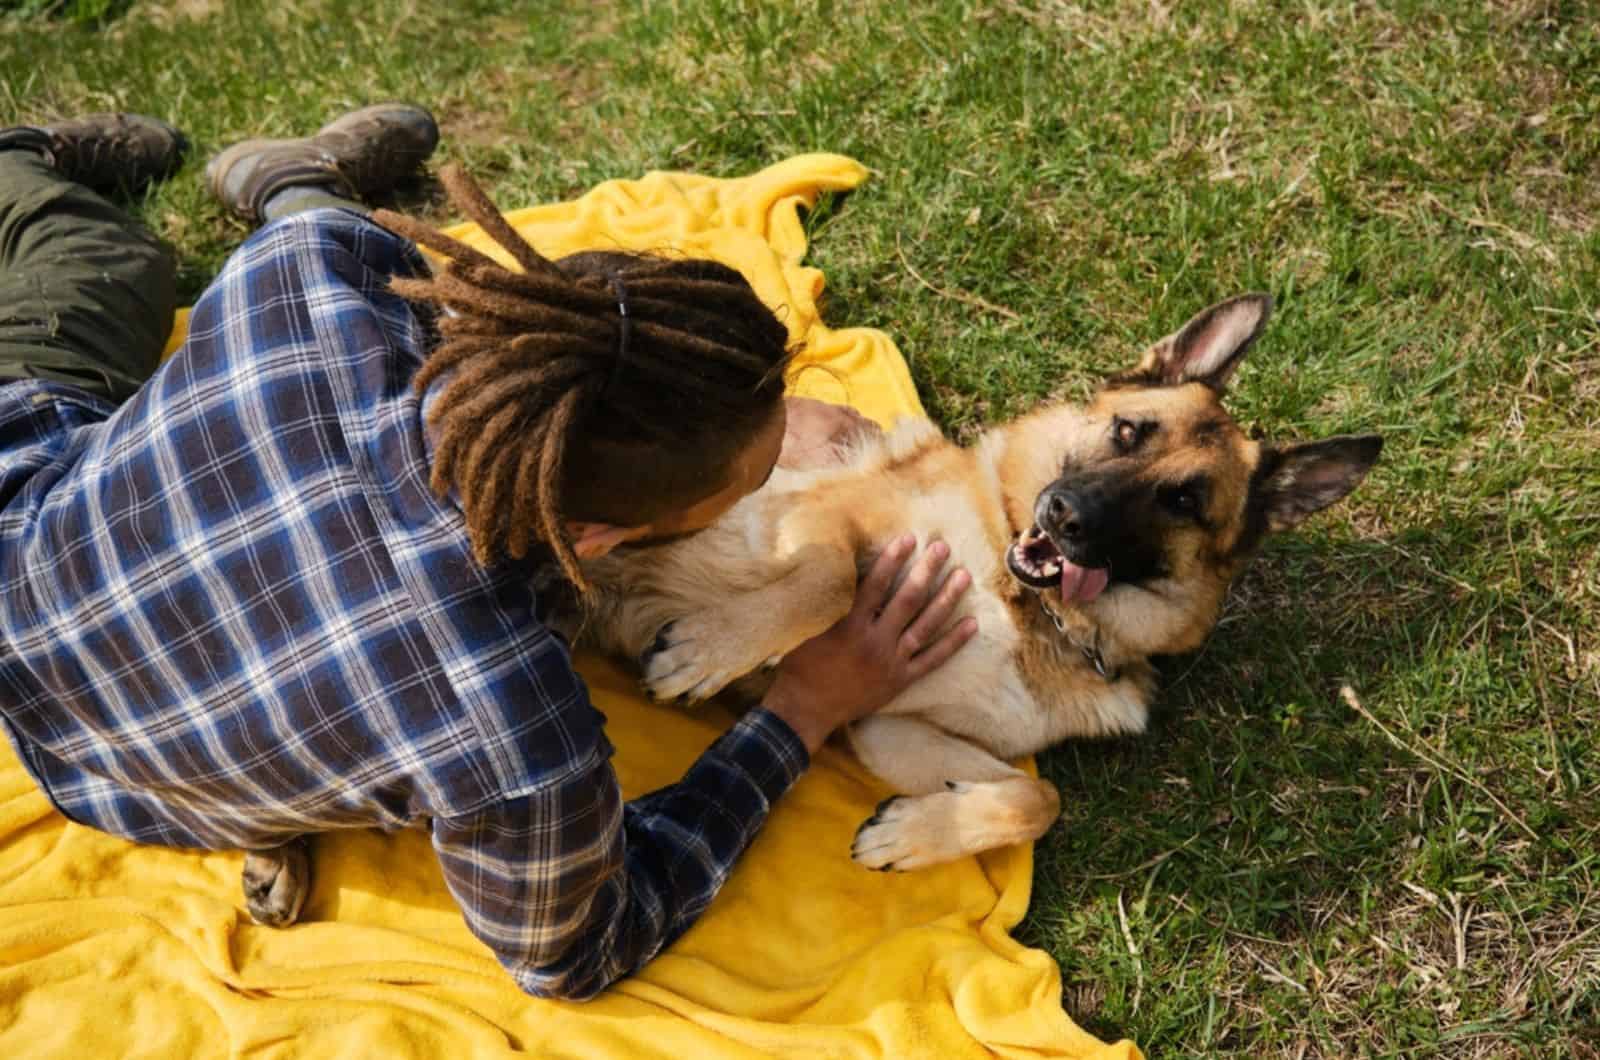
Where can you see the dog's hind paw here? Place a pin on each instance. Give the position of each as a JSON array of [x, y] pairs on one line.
[[688, 661], [658, 644]]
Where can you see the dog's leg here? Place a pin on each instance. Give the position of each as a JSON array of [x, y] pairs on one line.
[[960, 798], [696, 656], [276, 882]]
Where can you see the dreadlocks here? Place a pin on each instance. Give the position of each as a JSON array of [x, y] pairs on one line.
[[606, 387]]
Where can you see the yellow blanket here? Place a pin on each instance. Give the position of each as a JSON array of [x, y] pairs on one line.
[[109, 949]]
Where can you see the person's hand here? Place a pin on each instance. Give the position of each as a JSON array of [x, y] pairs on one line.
[[871, 655], [817, 431]]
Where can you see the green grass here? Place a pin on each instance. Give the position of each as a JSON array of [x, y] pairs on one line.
[[92, 12], [1268, 873]]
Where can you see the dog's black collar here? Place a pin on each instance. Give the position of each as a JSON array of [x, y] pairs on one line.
[[1091, 652]]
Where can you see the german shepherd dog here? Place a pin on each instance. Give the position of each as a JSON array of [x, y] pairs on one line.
[[1097, 536]]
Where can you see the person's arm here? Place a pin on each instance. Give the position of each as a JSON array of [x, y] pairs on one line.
[[572, 889]]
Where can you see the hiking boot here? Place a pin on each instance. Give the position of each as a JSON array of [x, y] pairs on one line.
[[105, 151], [358, 156]]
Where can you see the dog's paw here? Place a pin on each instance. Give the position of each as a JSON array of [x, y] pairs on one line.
[[908, 832], [663, 640], [915, 831], [691, 660], [276, 883]]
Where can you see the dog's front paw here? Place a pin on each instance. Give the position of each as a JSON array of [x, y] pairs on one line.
[[907, 832], [691, 659], [915, 831]]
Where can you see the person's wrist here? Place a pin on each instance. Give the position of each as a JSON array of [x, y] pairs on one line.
[[781, 702]]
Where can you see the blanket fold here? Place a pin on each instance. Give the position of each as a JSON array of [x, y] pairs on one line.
[[110, 949]]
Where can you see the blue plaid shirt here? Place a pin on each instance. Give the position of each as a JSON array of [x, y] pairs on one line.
[[232, 612]]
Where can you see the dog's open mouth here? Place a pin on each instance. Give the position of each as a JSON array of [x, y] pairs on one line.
[[1035, 561]]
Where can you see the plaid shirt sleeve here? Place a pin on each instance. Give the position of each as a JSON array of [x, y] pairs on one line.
[[573, 889]]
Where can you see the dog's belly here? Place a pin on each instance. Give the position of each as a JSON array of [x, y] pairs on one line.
[[981, 698], [987, 695], [981, 694]]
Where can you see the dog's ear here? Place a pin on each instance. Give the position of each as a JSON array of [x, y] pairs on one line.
[[1291, 484], [1208, 348]]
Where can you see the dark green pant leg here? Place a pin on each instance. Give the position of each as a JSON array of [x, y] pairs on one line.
[[86, 294]]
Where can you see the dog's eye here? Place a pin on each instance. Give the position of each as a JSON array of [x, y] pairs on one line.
[[1185, 500], [1126, 433]]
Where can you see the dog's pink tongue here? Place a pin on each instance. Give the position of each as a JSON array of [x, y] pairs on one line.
[[1082, 584]]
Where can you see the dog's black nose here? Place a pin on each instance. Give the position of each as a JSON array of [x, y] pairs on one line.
[[1062, 516], [1070, 515]]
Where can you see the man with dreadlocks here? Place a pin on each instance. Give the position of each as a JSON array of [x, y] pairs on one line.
[[284, 583]]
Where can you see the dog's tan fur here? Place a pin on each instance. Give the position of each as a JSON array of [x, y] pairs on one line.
[[781, 566]]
